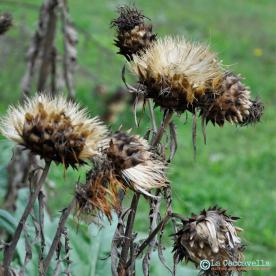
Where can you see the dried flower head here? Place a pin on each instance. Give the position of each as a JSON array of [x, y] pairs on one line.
[[5, 22], [209, 236], [133, 34], [135, 161], [230, 101], [55, 129], [100, 195], [256, 111], [175, 72]]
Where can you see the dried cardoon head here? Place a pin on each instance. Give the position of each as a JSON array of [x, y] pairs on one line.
[[54, 129], [256, 111], [209, 236], [100, 195], [230, 101], [175, 72], [5, 22], [133, 35], [133, 159]]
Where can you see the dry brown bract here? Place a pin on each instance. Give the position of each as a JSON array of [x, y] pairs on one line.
[[5, 22], [209, 236], [135, 161], [55, 129], [133, 35], [127, 162], [175, 72], [231, 102], [100, 195]]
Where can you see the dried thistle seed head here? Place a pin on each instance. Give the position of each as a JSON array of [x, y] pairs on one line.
[[133, 34], [230, 101], [175, 72], [256, 111], [139, 166], [55, 129], [5, 22], [209, 236], [100, 195], [129, 18]]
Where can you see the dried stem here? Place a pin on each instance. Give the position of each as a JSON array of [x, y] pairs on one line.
[[122, 267], [41, 205], [48, 43], [157, 138], [70, 52], [9, 251], [18, 169], [128, 234], [152, 235], [54, 71], [154, 216], [64, 216], [152, 116]]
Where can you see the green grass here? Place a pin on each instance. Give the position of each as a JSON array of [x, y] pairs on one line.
[[236, 169]]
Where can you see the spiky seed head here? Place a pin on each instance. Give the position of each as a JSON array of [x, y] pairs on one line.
[[136, 162], [5, 22], [133, 34], [230, 101], [211, 235], [55, 129], [256, 111], [175, 72], [100, 195]]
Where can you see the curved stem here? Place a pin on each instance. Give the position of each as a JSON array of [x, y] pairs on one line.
[[157, 138], [10, 250], [152, 116]]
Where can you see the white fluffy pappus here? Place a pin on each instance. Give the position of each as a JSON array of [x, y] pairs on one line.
[[173, 62], [54, 115], [146, 176], [140, 167]]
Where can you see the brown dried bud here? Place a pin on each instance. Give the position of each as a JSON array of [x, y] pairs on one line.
[[55, 129], [135, 161], [133, 35], [256, 111], [230, 101], [100, 195], [209, 236], [5, 22]]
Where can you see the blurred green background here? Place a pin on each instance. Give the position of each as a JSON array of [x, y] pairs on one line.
[[236, 169]]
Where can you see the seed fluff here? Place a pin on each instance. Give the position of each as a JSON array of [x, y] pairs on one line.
[[55, 129]]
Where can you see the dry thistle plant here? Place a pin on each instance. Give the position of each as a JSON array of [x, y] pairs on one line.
[[56, 130], [100, 195], [176, 75], [184, 76], [175, 72], [135, 161], [133, 34], [231, 102], [128, 162], [179, 76], [211, 236]]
